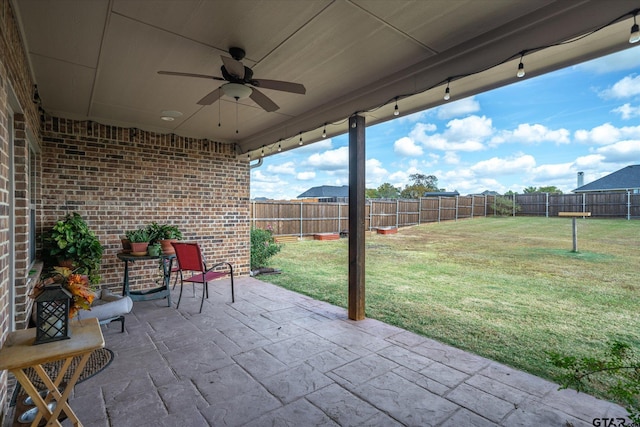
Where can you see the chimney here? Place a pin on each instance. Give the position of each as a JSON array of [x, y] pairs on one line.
[[580, 179]]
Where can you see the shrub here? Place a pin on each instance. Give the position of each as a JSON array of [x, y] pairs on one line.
[[618, 371], [263, 247], [503, 206]]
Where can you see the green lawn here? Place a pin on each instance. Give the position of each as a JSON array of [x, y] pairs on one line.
[[505, 288]]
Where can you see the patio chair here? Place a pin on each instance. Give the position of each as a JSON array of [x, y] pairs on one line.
[[190, 259]]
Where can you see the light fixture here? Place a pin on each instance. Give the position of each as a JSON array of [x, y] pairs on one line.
[[520, 72], [170, 115], [324, 131], [635, 31], [262, 152], [396, 112], [279, 147], [447, 94], [300, 142], [236, 90]]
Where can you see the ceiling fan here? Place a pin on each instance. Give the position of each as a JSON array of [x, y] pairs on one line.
[[240, 82]]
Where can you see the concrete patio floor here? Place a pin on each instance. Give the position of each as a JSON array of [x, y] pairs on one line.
[[277, 358]]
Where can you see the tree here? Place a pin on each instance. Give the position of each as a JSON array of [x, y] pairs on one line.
[[388, 191], [419, 185], [371, 193], [530, 190], [550, 189]]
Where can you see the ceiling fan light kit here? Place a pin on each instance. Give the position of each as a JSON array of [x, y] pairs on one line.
[[236, 90]]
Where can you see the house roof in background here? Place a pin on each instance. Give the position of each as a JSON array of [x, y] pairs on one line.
[[326, 191], [98, 60], [627, 178]]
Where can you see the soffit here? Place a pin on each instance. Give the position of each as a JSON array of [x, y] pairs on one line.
[[98, 60]]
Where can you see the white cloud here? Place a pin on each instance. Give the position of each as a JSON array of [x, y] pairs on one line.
[[414, 117], [622, 151], [550, 171], [590, 161], [375, 173], [607, 134], [405, 146], [627, 87], [330, 160], [305, 176], [258, 176], [461, 134], [451, 158], [627, 111], [499, 166], [287, 168], [458, 108]]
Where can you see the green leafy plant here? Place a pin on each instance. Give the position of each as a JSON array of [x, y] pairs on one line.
[[503, 206], [618, 371], [263, 247], [159, 232], [70, 239], [139, 235]]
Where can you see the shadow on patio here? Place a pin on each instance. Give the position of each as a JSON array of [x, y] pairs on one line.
[[279, 358]]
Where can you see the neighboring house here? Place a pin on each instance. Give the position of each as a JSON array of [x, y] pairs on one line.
[[625, 179], [327, 193], [440, 194]]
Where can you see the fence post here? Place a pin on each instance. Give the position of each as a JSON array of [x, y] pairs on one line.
[[339, 217], [456, 208], [439, 207], [301, 220], [472, 205], [419, 210], [370, 215], [628, 205], [547, 205], [584, 202], [514, 205], [397, 213]]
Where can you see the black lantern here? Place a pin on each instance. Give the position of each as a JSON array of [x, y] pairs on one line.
[[52, 309]]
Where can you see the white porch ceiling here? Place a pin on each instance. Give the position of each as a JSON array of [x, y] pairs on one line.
[[98, 59]]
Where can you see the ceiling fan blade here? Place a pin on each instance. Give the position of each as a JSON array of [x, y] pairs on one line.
[[211, 97], [201, 76], [235, 68], [279, 85], [263, 101]]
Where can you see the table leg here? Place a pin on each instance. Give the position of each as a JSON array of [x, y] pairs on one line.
[[125, 283]]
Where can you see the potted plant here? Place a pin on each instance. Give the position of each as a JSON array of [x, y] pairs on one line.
[[164, 234], [154, 249], [139, 239], [70, 242]]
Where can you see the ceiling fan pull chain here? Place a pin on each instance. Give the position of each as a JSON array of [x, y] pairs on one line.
[[236, 115]]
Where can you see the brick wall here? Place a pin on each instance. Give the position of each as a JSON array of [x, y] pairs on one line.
[[119, 179], [15, 77]]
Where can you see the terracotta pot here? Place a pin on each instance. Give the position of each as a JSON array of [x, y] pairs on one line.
[[139, 248], [126, 245], [167, 248]]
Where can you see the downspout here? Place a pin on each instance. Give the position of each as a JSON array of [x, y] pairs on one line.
[[256, 165]]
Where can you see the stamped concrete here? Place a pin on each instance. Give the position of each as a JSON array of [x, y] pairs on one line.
[[278, 358]]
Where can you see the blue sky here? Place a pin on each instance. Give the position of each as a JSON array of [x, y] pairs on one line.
[[537, 132]]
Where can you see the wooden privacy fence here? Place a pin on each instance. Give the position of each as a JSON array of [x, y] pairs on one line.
[[305, 219]]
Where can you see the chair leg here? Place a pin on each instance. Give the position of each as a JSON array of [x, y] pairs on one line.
[[233, 299], [205, 289], [181, 287], [121, 320]]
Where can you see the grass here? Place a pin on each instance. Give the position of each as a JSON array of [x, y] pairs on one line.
[[509, 289]]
